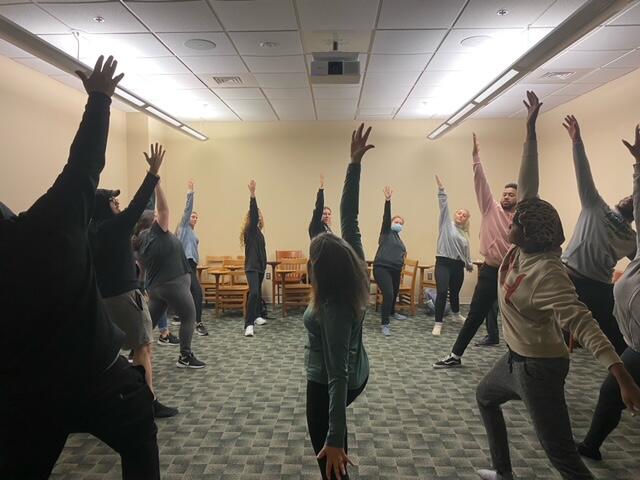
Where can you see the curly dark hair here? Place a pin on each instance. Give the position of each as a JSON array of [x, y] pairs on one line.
[[540, 224]]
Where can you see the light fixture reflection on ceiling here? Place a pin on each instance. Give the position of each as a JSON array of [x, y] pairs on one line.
[[268, 44]]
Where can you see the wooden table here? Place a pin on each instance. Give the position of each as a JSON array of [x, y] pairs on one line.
[[201, 269], [283, 273], [422, 269], [217, 272], [273, 264]]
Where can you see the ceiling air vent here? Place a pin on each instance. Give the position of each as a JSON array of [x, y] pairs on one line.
[[558, 75], [232, 81]]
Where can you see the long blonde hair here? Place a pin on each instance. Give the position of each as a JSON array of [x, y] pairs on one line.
[[465, 226], [244, 230]]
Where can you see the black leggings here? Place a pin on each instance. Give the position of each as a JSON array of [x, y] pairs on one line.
[[196, 290], [388, 281], [449, 279], [318, 418], [254, 304]]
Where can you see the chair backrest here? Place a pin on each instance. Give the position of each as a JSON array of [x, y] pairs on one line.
[[287, 254], [410, 270], [285, 257], [298, 264], [237, 275], [216, 260]]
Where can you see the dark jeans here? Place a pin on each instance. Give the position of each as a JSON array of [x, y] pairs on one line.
[[492, 323], [254, 304], [449, 278], [539, 383], [318, 418], [388, 281], [484, 296], [196, 290], [117, 408], [610, 405], [598, 297]]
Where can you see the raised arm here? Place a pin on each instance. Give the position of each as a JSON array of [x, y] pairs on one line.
[[443, 204], [254, 214], [162, 207], [529, 177], [349, 203], [635, 151], [188, 208], [386, 216], [70, 199], [483, 190], [315, 226], [586, 186]]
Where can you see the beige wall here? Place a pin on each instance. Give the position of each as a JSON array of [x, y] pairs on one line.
[[40, 117]]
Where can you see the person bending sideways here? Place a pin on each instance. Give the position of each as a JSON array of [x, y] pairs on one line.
[[255, 261], [71, 378], [335, 358], [537, 300], [388, 263], [321, 217], [168, 278], [452, 258], [494, 244], [110, 236], [187, 235], [627, 312], [601, 237]]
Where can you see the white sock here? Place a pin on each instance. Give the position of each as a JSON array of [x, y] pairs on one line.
[[457, 357]]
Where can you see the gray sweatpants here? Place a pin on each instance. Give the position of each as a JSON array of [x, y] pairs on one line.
[[539, 383], [175, 294]]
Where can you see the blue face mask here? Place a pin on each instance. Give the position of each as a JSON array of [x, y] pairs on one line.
[[396, 227]]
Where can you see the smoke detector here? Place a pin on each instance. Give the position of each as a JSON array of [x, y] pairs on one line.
[[199, 44]]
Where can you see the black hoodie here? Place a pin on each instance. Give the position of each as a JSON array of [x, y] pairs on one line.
[[110, 237], [59, 337]]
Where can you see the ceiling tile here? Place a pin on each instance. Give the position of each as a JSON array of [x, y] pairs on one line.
[[283, 64], [604, 75], [288, 110], [450, 61], [484, 13], [239, 93], [80, 16], [282, 80], [287, 93], [501, 107], [385, 79], [494, 39], [248, 43], [630, 60], [156, 66], [389, 90], [553, 101], [577, 89], [136, 45], [32, 18], [254, 16], [336, 115], [354, 15], [407, 41], [202, 96], [217, 65], [40, 66], [575, 59], [11, 51], [631, 17], [197, 111], [334, 104], [174, 82], [189, 16], [380, 101], [558, 12], [252, 110], [398, 63], [611, 38], [335, 91], [347, 41], [176, 42], [419, 14], [376, 111], [519, 91], [540, 76]]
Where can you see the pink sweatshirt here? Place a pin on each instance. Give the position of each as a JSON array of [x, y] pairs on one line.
[[495, 225]]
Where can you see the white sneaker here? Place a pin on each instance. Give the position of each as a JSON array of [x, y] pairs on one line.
[[260, 321], [437, 329], [248, 332], [398, 316], [460, 318]]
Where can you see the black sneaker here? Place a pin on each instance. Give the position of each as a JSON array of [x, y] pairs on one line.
[[201, 330], [189, 361], [589, 452], [487, 342], [162, 411], [170, 340], [448, 362]]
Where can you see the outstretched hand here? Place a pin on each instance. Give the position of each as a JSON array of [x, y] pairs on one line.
[[321, 181], [359, 144], [101, 79], [190, 186], [572, 127], [387, 193], [252, 188], [337, 461], [439, 182], [476, 146], [635, 148], [533, 108], [156, 158]]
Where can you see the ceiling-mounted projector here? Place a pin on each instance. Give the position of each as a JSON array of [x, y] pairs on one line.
[[335, 68]]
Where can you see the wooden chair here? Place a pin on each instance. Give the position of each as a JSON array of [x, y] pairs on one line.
[[298, 293], [233, 292], [283, 256], [427, 280], [407, 291], [216, 260]]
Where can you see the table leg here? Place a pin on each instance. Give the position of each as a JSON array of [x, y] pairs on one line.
[[217, 296]]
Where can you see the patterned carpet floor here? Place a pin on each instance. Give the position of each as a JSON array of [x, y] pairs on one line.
[[243, 417]]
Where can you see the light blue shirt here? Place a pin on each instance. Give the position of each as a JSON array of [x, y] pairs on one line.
[[186, 234], [453, 243]]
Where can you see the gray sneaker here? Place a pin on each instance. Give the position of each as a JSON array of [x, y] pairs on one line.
[[448, 362], [386, 331], [398, 316]]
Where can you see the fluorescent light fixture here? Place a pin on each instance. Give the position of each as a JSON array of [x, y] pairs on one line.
[[160, 114], [462, 113], [496, 85], [124, 95], [439, 131], [193, 133]]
